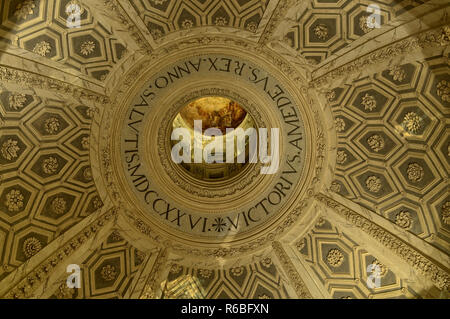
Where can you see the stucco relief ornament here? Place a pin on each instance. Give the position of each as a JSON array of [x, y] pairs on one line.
[[115, 236], [205, 273], [251, 26], [443, 90], [335, 187], [24, 9], [97, 202], [376, 142], [237, 271], [444, 37], [335, 257], [51, 125], [64, 292], [9, 149], [404, 219], [364, 23], [340, 124], [321, 31], [42, 48], [187, 24], [175, 269], [331, 96], [87, 47], [59, 205], [85, 142], [373, 184], [383, 269], [156, 33], [413, 122], [369, 102], [415, 172], [87, 173], [72, 4], [50, 165], [341, 157], [301, 244], [446, 213], [31, 246], [398, 73], [266, 262], [221, 21], [108, 272], [14, 200], [16, 101]]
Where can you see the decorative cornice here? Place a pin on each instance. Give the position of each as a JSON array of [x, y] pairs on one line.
[[424, 265], [438, 37], [151, 288], [278, 14], [34, 80], [121, 16], [296, 280], [38, 275]]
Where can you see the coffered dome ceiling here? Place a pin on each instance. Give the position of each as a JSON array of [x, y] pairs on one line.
[[86, 176]]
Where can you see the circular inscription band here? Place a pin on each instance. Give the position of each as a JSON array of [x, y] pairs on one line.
[[210, 211]]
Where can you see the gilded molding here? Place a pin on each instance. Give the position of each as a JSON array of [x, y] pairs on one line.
[[278, 14], [150, 290], [121, 16], [296, 280], [424, 265], [37, 276], [439, 37], [33, 80]]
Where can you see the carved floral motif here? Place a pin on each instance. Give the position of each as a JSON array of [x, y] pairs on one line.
[[108, 272], [404, 219], [59, 205], [251, 26], [335, 257], [17, 100], [376, 142], [335, 187], [398, 73], [443, 90], [50, 165], [340, 124], [366, 22], [51, 125], [341, 157], [187, 24], [221, 21], [382, 268], [87, 47], [24, 9], [414, 172], [413, 122], [10, 149], [373, 184], [14, 200], [205, 273], [237, 271], [369, 102], [42, 48], [31, 246], [321, 31]]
